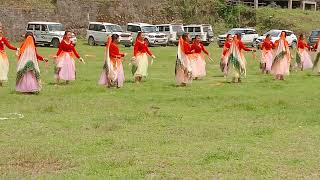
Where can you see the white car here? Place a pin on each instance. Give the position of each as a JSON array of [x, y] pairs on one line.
[[173, 32], [275, 35], [248, 36], [98, 32], [152, 36], [203, 30], [48, 33]]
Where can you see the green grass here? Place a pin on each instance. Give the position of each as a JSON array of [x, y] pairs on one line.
[[212, 129]]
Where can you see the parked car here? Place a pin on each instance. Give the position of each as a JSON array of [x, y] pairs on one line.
[[152, 36], [203, 30], [173, 32], [275, 35], [313, 38], [98, 32], [248, 36], [48, 33]]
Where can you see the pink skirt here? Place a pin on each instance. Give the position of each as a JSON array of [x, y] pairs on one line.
[[183, 76], [67, 68], [104, 80], [28, 83], [267, 58], [305, 59], [281, 67], [198, 66]]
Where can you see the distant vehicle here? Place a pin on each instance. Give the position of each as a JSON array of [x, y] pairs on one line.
[[152, 36], [313, 38], [248, 36], [48, 33], [98, 32], [173, 32], [275, 35], [203, 30]]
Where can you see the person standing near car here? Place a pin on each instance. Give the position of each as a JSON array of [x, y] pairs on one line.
[[303, 58], [140, 58], [282, 58], [266, 55], [112, 74], [225, 55], [4, 63], [65, 66], [199, 62]]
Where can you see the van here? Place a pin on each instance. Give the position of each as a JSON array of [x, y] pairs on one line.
[[203, 30], [152, 36], [173, 32]]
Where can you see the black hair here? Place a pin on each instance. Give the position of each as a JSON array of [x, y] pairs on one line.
[[185, 36], [114, 37]]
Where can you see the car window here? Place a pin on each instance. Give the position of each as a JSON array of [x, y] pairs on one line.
[[250, 32], [185, 29], [315, 33], [197, 29], [100, 27], [289, 33], [177, 28], [30, 27], [160, 28], [167, 28], [44, 27], [91, 27], [37, 27], [190, 29]]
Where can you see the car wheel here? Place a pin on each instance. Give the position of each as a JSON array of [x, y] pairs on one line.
[[91, 41], [55, 43]]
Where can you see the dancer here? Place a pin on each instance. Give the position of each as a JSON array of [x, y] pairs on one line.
[[317, 49], [140, 58], [199, 62], [236, 60], [4, 63], [225, 55], [183, 68], [112, 74], [303, 58], [28, 72], [267, 55], [281, 62], [64, 60]]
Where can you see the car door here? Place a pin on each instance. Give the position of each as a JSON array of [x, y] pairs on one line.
[[101, 34], [30, 28], [248, 36], [45, 33], [37, 33]]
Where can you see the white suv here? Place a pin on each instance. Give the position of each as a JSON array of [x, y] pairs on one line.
[[173, 32], [48, 33], [98, 32], [152, 36], [275, 35], [203, 30], [248, 36]]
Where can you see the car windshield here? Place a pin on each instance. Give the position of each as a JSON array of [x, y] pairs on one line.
[[149, 29], [273, 33], [116, 28], [177, 28], [207, 29], [56, 27], [234, 31]]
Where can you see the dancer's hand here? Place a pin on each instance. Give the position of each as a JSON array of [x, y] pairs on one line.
[[45, 60], [81, 60], [153, 57], [125, 54]]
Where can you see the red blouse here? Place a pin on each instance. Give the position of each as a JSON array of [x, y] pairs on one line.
[[302, 44], [141, 47], [198, 48], [114, 51], [4, 42], [267, 45], [243, 47], [67, 48], [187, 48], [226, 47]]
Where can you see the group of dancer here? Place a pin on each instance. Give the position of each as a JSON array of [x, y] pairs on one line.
[[190, 62]]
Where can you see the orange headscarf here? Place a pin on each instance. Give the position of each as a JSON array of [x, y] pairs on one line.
[[28, 42]]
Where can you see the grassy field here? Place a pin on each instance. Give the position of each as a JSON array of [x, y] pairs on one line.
[[261, 128]]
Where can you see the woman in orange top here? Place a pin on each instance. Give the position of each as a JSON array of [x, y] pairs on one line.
[[199, 62], [303, 58], [4, 63], [140, 58], [225, 55], [267, 55], [112, 74], [183, 68], [282, 58]]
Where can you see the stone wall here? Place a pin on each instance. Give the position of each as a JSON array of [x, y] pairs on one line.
[[75, 14]]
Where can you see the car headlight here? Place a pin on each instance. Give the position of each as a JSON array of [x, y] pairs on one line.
[[151, 36]]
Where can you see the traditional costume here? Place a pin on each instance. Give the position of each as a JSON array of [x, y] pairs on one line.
[[282, 58], [28, 72], [267, 55], [225, 57], [140, 63], [198, 63], [112, 74], [303, 58], [4, 63], [183, 68]]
